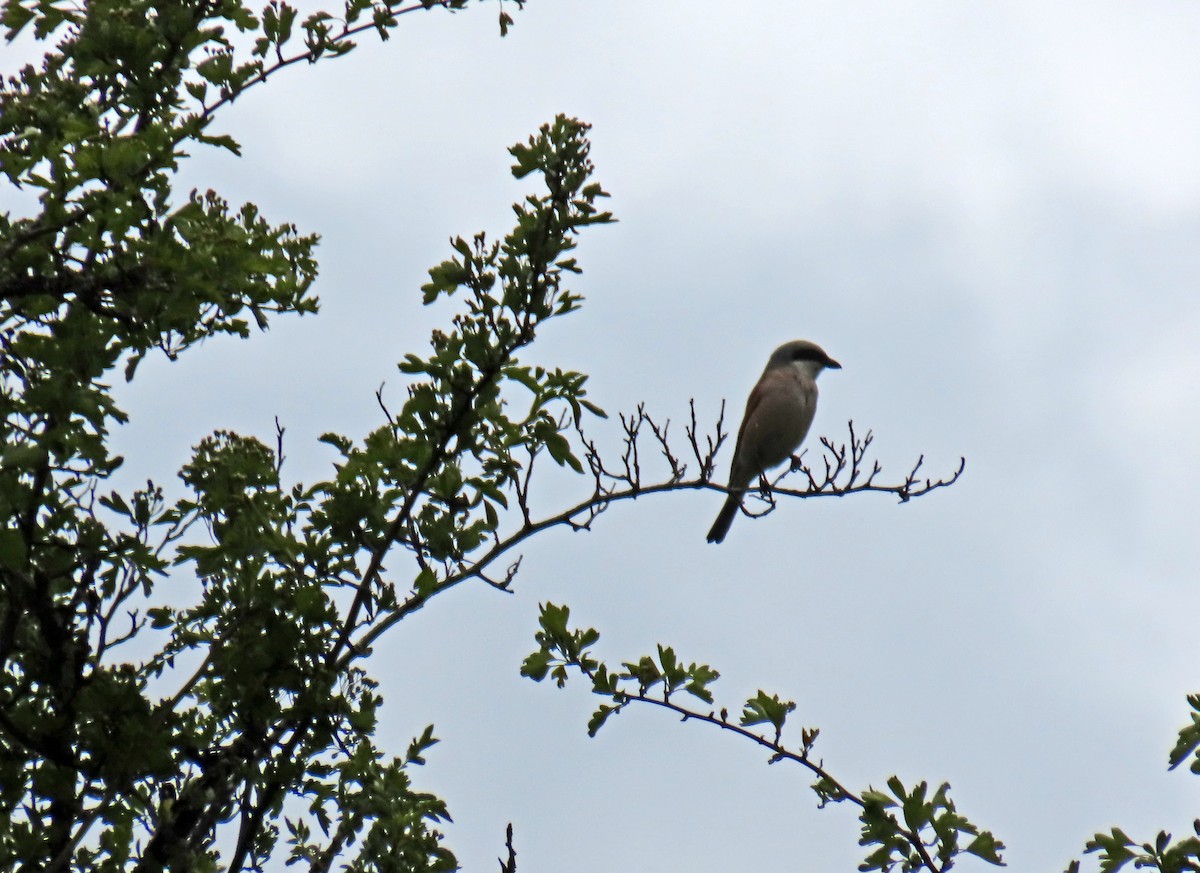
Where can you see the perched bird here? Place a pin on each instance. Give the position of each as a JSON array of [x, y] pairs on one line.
[[778, 415]]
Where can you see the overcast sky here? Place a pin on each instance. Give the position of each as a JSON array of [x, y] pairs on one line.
[[988, 212]]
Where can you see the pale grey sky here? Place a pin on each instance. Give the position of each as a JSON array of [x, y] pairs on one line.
[[989, 213]]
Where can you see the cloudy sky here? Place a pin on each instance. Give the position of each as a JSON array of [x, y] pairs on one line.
[[988, 212]]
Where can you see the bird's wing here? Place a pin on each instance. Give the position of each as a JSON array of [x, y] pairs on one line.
[[742, 469], [752, 403]]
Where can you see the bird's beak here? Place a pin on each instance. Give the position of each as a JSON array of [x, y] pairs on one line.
[[833, 365]]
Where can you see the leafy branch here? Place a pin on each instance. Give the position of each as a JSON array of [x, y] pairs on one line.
[[913, 829], [1164, 853]]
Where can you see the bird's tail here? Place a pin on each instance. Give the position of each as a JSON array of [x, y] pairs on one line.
[[728, 513]]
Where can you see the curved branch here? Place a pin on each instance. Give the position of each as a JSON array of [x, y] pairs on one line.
[[779, 752], [844, 476]]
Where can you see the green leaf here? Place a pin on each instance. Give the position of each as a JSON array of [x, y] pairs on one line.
[[524, 376], [223, 141], [599, 717], [763, 709], [117, 504], [24, 456], [878, 798], [699, 677], [1189, 738], [560, 450], [987, 847], [593, 409], [537, 665], [666, 657], [425, 583], [1114, 849], [15, 17], [917, 812], [419, 745], [554, 619], [160, 617], [12, 549]]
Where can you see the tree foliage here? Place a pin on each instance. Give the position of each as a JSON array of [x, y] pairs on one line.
[[251, 725]]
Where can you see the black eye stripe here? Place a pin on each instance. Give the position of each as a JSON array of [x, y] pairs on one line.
[[809, 355]]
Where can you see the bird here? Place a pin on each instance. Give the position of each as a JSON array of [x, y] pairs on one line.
[[778, 414]]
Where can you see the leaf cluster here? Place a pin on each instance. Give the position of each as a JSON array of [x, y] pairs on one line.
[[1115, 849], [906, 829], [107, 761], [276, 711]]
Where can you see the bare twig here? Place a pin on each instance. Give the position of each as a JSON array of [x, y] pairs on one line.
[[509, 865], [845, 473]]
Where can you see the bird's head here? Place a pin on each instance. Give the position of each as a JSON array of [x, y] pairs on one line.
[[804, 355]]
